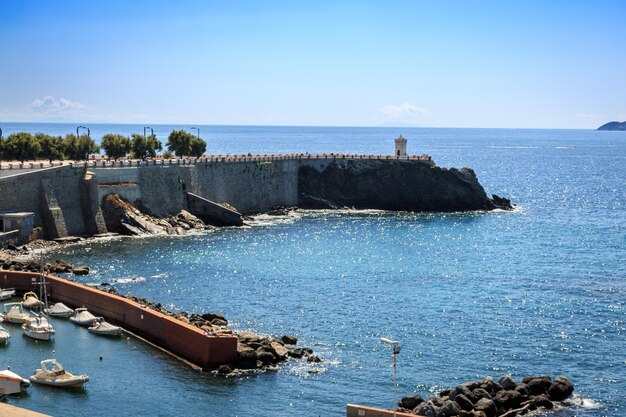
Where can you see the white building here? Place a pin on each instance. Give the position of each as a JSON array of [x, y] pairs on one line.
[[400, 147]]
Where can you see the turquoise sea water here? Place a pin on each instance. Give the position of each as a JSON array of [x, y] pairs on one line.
[[537, 291]]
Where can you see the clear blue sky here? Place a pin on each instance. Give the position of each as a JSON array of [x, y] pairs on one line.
[[523, 64]]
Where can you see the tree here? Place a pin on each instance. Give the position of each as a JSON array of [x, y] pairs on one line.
[[79, 149], [198, 147], [115, 146], [20, 146], [142, 148], [179, 142], [51, 146]]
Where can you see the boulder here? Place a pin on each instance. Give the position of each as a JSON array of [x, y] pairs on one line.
[[507, 399], [313, 359], [487, 406], [542, 400], [211, 316], [560, 389], [479, 393], [411, 401], [507, 382], [296, 353], [428, 409], [450, 408], [265, 357], [289, 340], [463, 402], [538, 384], [490, 386], [523, 390], [224, 370], [279, 351]]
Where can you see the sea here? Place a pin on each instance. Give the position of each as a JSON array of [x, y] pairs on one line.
[[540, 290]]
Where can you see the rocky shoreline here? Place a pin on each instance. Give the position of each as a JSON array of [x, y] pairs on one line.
[[255, 352], [488, 398]]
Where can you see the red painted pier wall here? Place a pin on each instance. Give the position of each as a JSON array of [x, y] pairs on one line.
[[178, 337]]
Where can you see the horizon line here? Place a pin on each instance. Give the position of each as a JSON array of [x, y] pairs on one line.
[[294, 125]]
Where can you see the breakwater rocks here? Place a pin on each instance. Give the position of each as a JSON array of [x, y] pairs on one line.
[[400, 185], [255, 352], [9, 263], [122, 217], [488, 398]]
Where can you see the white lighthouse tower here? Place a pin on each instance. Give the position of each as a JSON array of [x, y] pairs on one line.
[[400, 147]]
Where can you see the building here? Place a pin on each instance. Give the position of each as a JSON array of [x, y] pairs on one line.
[[16, 228], [400, 147]]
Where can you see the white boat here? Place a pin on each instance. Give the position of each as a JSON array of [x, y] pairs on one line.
[[38, 328], [14, 313], [83, 317], [6, 293], [4, 335], [12, 383], [31, 300], [103, 328], [52, 373], [60, 310]]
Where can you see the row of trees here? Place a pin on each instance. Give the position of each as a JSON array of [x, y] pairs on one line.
[[24, 146]]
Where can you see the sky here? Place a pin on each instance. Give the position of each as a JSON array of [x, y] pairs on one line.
[[507, 64]]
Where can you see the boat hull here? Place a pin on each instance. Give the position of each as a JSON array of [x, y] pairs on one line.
[[77, 382], [15, 319], [63, 315], [47, 336]]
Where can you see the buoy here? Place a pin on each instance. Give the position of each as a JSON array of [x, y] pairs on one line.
[[100, 358]]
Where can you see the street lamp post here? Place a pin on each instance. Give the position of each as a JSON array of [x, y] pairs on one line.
[[196, 128], [144, 131], [396, 351], [82, 127]]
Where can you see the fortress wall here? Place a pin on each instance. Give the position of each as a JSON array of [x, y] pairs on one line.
[[62, 188], [251, 187]]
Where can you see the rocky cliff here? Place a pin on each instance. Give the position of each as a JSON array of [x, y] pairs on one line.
[[393, 185]]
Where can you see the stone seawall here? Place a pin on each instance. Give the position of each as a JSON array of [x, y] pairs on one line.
[[67, 200]]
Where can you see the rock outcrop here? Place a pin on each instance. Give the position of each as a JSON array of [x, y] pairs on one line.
[[122, 217], [400, 185], [488, 398]]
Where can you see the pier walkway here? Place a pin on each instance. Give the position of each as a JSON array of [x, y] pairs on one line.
[[7, 410], [15, 167]]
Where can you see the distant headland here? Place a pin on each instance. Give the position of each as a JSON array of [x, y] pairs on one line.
[[613, 126]]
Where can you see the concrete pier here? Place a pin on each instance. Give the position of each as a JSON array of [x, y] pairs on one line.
[[173, 335], [7, 410]]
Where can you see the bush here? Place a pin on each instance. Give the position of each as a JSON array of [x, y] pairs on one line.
[[185, 144], [167, 154]]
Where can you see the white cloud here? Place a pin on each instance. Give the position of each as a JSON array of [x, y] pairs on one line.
[[403, 111], [51, 105]]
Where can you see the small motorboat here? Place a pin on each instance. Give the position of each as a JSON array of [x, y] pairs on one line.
[[60, 310], [6, 293], [14, 313], [82, 317], [101, 327], [52, 373], [31, 300], [38, 328], [4, 335], [12, 383]]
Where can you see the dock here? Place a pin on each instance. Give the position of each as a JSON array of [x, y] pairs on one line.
[[7, 410]]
